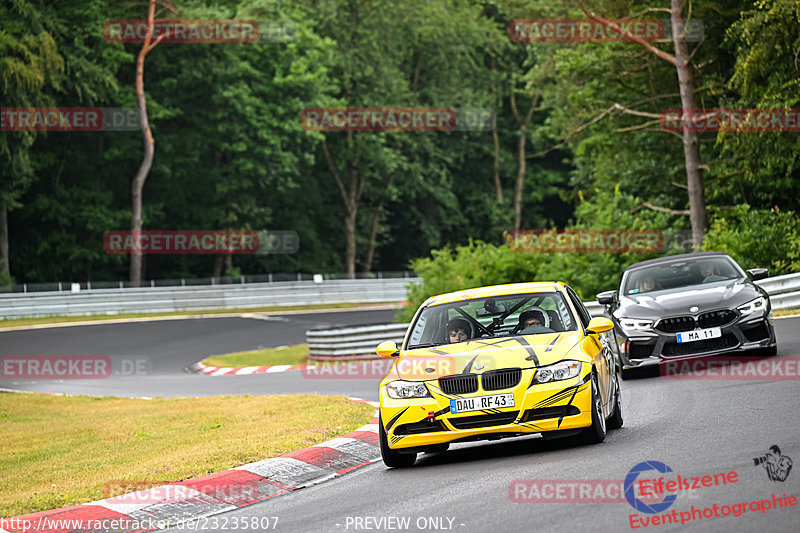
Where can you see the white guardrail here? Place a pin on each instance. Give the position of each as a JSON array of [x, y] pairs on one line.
[[166, 299], [360, 341]]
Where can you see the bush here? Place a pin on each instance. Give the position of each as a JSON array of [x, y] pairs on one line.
[[766, 238], [478, 264]]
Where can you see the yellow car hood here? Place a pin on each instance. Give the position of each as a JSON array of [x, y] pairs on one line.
[[482, 355]]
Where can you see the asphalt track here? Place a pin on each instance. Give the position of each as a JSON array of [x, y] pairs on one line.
[[695, 427], [148, 358]]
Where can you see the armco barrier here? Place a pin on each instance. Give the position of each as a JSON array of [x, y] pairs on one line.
[[361, 341], [352, 341], [784, 292], [166, 299]]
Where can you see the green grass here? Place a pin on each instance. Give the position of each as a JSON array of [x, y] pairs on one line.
[[287, 355], [62, 450], [12, 322]]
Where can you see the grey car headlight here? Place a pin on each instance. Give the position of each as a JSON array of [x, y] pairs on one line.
[[639, 324], [407, 389], [759, 304], [557, 372]]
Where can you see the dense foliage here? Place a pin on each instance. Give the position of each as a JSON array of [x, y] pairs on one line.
[[231, 153]]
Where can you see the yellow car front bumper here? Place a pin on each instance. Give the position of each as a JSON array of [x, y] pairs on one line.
[[538, 408]]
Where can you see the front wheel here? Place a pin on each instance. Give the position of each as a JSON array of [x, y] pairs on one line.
[[616, 421], [596, 433], [390, 457]]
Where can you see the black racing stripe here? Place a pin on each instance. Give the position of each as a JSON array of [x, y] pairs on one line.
[[468, 368], [490, 343], [557, 397], [529, 348], [550, 346], [441, 412], [563, 393], [438, 352], [393, 420], [533, 377], [568, 404]]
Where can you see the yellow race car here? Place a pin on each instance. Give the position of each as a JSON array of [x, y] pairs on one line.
[[497, 362]]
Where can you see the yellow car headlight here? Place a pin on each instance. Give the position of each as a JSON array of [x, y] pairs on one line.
[[557, 372], [407, 389]]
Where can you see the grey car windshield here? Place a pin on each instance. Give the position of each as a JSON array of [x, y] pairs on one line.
[[665, 276], [495, 316]]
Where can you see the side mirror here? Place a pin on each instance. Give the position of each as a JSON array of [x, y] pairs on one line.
[[387, 349], [599, 325], [758, 273], [607, 297]]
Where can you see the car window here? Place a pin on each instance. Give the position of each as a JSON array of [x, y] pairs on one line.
[[583, 314], [683, 273], [498, 316]]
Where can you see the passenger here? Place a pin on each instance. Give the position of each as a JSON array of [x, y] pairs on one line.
[[458, 330]]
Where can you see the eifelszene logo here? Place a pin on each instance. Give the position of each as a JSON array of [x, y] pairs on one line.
[[636, 503], [777, 466]]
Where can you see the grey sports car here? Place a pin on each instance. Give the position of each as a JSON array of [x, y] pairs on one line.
[[688, 305]]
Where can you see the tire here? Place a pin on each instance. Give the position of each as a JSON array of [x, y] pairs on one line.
[[596, 433], [390, 457], [615, 421]]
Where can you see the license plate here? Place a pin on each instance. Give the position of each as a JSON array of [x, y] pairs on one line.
[[699, 335], [495, 401]]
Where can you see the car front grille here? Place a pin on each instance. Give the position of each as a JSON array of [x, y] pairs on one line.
[[676, 324], [501, 379], [710, 319], [479, 421], [462, 384], [672, 349], [716, 318]]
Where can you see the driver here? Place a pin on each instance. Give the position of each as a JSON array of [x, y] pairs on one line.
[[458, 330], [531, 317], [708, 272]]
